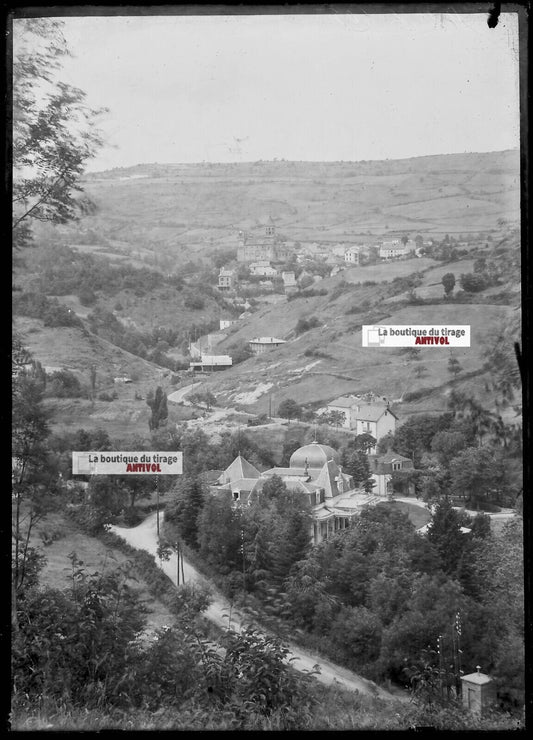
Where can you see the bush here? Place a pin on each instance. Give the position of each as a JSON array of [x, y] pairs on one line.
[[105, 397], [64, 384], [304, 325]]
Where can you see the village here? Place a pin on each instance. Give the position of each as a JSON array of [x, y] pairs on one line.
[[267, 371]]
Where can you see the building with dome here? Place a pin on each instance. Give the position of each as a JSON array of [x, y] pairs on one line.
[[315, 471]]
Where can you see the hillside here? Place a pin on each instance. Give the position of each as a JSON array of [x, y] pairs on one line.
[[151, 220], [162, 209]]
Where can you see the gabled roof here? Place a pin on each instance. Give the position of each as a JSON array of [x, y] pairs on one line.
[[239, 468], [326, 478], [389, 457], [343, 401], [371, 411], [479, 678], [243, 484]]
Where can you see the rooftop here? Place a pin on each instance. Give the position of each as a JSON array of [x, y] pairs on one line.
[[267, 340]]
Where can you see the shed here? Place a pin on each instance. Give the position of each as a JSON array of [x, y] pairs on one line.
[[479, 691]]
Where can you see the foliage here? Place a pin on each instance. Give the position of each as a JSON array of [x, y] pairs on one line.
[[38, 306], [289, 409], [473, 282], [454, 366], [304, 325], [64, 384], [206, 398], [448, 281], [185, 507], [35, 484], [356, 464], [54, 131], [239, 352], [335, 418], [414, 436], [478, 474], [158, 404], [446, 536]]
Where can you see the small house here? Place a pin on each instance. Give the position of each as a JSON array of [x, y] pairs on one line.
[[478, 691], [383, 466], [226, 279]]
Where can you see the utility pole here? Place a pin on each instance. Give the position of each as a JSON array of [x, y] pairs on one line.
[[157, 504], [243, 561]]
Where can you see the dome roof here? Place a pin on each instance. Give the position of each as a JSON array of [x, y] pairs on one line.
[[313, 455]]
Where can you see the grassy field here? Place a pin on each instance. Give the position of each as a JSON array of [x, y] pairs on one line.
[[418, 515], [385, 271], [95, 557], [194, 206]]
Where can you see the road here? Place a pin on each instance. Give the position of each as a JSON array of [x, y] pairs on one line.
[[179, 395], [144, 537]]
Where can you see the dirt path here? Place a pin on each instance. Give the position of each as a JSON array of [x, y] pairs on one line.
[[144, 537]]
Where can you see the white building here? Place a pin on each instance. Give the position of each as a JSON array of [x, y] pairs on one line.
[[226, 279], [258, 345], [351, 255], [263, 268], [211, 363]]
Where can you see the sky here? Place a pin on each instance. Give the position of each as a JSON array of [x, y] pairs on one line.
[[324, 87]]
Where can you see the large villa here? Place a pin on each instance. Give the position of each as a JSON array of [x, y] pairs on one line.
[[314, 470]]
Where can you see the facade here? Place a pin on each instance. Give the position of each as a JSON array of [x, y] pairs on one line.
[[226, 323], [395, 249], [226, 279], [263, 268], [262, 248], [289, 281], [382, 468], [313, 470], [258, 345], [373, 417], [478, 692], [351, 255], [344, 404]]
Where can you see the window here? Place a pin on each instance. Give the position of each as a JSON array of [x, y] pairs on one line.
[[396, 466]]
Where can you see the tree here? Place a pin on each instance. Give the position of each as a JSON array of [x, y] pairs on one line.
[[478, 474], [356, 465], [356, 632], [444, 533], [289, 409], [185, 508], [448, 281], [219, 533], [404, 239], [203, 397], [335, 418], [158, 403], [33, 481], [240, 351], [454, 366], [473, 282], [54, 131], [447, 444]]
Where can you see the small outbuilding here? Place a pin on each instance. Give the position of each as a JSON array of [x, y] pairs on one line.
[[479, 692]]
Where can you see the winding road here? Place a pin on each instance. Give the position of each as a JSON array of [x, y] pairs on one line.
[[144, 537]]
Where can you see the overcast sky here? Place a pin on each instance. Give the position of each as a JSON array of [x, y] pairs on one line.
[[298, 87]]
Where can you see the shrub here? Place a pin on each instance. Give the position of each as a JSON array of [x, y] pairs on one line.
[[304, 325], [64, 384]]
